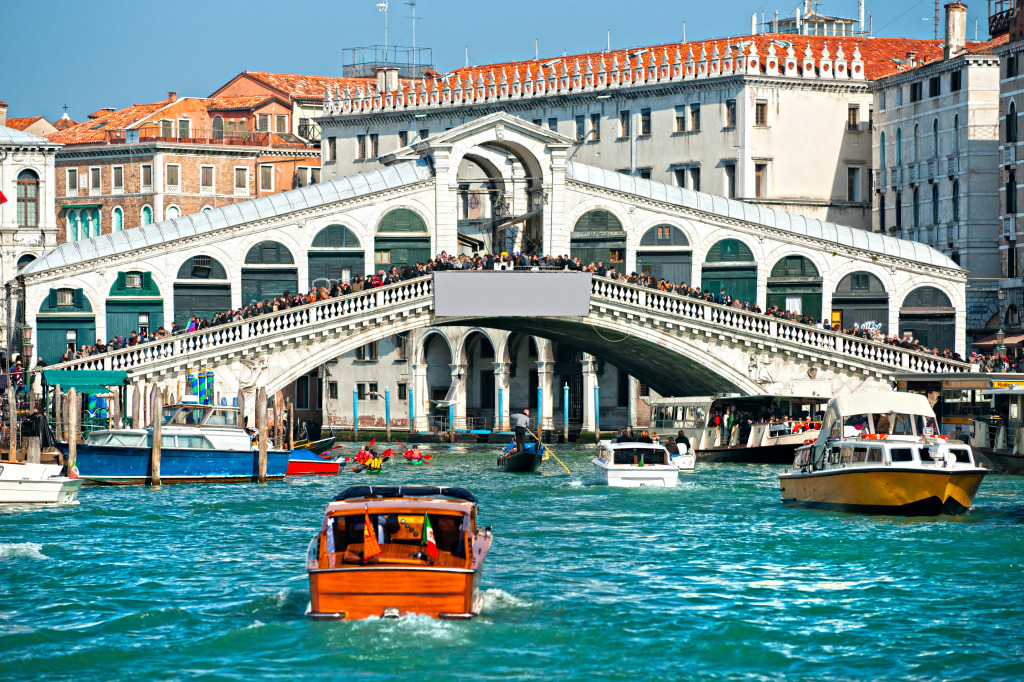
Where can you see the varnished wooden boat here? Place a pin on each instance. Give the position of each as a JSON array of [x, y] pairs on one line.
[[318, 447], [403, 579], [519, 462]]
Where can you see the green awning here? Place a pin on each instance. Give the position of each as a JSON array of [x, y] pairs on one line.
[[84, 380], [96, 205]]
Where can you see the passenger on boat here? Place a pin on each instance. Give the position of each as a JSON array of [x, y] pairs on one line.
[[671, 446], [645, 437], [682, 440], [521, 420]]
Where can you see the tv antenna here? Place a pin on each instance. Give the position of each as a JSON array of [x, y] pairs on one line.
[[382, 6], [412, 5]]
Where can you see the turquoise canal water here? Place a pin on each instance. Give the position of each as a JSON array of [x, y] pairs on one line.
[[713, 579]]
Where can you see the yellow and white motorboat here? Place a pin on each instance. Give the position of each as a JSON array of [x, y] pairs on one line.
[[880, 453]]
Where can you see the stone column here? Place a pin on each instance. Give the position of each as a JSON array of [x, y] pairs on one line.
[[459, 408], [545, 379], [446, 225], [420, 398], [501, 395], [589, 382]]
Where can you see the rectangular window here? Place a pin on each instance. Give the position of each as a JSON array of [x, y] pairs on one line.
[[644, 173], [424, 133], [147, 177], [133, 280], [166, 128], [1011, 66], [680, 177], [881, 100], [595, 127], [280, 124], [206, 179], [853, 117], [367, 352], [371, 390], [954, 81], [65, 297], [616, 255], [553, 124], [117, 179], [314, 176], [916, 91], [262, 123], [730, 113], [538, 121], [382, 257], [623, 124], [695, 179], [302, 176], [72, 187], [266, 178], [853, 184], [643, 390], [934, 86], [761, 113], [645, 122], [241, 181], [403, 138], [374, 148], [730, 180], [360, 391], [403, 391], [332, 390], [581, 128], [761, 180], [680, 119], [144, 323], [332, 147], [360, 146], [694, 118], [302, 393], [184, 126], [172, 178], [94, 181]]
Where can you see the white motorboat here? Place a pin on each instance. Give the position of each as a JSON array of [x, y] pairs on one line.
[[24, 483], [684, 462], [635, 465]]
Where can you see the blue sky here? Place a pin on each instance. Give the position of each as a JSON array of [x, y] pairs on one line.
[[112, 53]]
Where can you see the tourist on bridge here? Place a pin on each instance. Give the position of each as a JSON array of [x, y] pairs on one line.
[[521, 421]]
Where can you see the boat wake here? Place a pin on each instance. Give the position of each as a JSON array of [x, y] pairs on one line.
[[495, 599], [22, 550]]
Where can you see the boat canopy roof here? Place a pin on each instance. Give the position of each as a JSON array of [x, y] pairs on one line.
[[91, 381], [357, 492], [1003, 391], [632, 444], [699, 400], [882, 402]]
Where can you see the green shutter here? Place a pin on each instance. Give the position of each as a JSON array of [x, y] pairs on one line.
[[79, 298], [147, 281], [51, 300], [122, 282]]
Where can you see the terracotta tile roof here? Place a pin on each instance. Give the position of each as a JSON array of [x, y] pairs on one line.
[[987, 47], [94, 130], [309, 87], [23, 122], [64, 123], [878, 54], [226, 103]]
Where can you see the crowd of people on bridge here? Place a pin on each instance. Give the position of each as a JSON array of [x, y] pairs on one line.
[[325, 289]]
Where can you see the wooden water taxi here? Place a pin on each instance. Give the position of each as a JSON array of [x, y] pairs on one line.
[[635, 465], [881, 453], [758, 429], [390, 551]]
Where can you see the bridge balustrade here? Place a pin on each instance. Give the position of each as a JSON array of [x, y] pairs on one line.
[[629, 295]]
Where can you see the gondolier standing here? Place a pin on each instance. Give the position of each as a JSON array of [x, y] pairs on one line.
[[522, 422]]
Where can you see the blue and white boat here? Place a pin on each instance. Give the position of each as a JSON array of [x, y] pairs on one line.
[[198, 444]]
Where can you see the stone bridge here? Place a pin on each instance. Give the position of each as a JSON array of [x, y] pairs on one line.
[[675, 344]]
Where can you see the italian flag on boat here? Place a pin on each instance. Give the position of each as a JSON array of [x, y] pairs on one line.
[[370, 546], [428, 538]]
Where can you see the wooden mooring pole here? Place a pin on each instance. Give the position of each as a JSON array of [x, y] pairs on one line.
[[261, 427], [154, 456], [58, 412], [290, 438]]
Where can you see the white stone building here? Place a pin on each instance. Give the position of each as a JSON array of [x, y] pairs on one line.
[[935, 155]]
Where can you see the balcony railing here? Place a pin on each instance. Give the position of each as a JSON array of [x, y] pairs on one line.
[[245, 138], [912, 173], [309, 131]]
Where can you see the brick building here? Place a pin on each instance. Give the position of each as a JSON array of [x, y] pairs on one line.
[[148, 162]]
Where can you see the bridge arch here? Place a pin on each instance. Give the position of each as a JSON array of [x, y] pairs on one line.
[[731, 263], [334, 254], [927, 313], [402, 236], [664, 250], [861, 297], [269, 270], [794, 284], [598, 236], [202, 287]]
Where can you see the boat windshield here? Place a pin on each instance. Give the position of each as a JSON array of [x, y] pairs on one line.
[[400, 535], [635, 455], [223, 418], [889, 424], [184, 415]]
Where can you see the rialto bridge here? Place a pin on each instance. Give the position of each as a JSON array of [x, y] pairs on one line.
[[536, 199]]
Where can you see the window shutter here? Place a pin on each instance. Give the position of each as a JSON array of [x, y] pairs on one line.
[[122, 281], [79, 298], [51, 300], [147, 281]]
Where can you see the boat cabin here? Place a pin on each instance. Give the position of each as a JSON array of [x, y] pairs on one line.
[[202, 415], [634, 454], [142, 439]]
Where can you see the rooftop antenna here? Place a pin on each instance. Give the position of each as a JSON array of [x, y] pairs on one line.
[[934, 20], [684, 31], [412, 5], [536, 48], [382, 6], [467, 56], [609, 47]]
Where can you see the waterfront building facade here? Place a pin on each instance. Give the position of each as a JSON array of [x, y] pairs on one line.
[[935, 160]]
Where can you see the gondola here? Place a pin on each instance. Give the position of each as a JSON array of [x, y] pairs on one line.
[[520, 462]]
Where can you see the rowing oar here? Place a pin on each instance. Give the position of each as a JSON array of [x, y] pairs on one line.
[[406, 447], [548, 450]]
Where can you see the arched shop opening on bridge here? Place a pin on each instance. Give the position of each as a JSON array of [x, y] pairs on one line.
[[402, 239], [794, 285], [133, 304], [730, 266], [478, 356], [335, 256], [201, 289], [928, 316], [65, 323], [276, 273], [438, 359], [859, 300], [664, 253], [598, 237]]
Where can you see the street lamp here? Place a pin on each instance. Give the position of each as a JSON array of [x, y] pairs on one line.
[[26, 344], [1000, 348]]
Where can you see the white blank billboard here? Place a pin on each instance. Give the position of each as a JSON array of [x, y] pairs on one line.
[[511, 293]]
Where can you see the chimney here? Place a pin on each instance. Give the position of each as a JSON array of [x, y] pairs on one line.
[[753, 24], [172, 96], [956, 29], [3, 114], [912, 58]]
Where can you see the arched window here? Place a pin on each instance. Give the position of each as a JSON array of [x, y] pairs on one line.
[[956, 135], [269, 253], [598, 221], [881, 212], [335, 237], [25, 260], [1011, 123], [935, 139], [917, 208], [956, 201], [1011, 192], [730, 251], [173, 212], [935, 203], [218, 128], [90, 224], [402, 220], [147, 216], [917, 143], [899, 210], [116, 219], [28, 199], [207, 209], [664, 235], [74, 225], [899, 146], [881, 151]]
